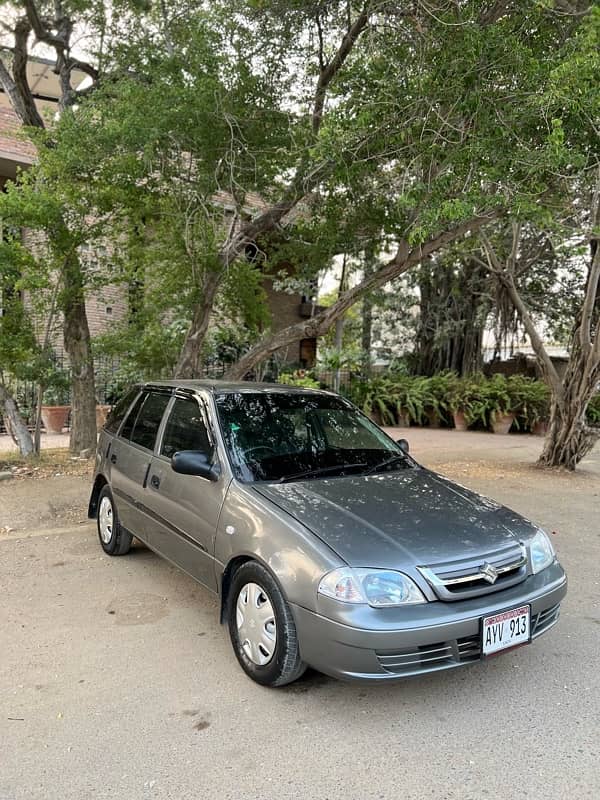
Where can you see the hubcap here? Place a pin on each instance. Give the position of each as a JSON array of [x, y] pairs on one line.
[[105, 520], [256, 624]]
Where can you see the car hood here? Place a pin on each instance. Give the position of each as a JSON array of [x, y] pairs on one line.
[[392, 520]]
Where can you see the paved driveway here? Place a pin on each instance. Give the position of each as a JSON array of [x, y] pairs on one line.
[[116, 681]]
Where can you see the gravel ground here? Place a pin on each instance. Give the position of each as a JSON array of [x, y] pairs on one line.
[[116, 680]]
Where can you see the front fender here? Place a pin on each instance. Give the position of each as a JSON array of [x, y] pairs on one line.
[[250, 526]]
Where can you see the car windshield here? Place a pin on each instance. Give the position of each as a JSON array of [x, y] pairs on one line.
[[278, 436]]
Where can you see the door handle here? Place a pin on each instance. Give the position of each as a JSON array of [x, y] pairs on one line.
[[155, 481], [113, 458]]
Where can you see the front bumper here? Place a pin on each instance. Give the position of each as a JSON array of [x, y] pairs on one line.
[[419, 639]]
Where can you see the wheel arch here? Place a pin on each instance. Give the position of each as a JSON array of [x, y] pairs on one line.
[[231, 568], [99, 483]]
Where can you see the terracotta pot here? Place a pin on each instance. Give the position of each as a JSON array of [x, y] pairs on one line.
[[101, 415], [55, 418], [540, 428], [502, 423], [460, 421]]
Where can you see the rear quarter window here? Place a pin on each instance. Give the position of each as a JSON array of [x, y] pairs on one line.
[[119, 410]]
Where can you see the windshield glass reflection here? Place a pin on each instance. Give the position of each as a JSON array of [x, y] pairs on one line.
[[274, 436]]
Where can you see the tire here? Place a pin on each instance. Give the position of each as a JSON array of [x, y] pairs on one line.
[[269, 653], [114, 539]]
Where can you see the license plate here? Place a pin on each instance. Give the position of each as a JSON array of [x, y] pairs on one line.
[[506, 629]]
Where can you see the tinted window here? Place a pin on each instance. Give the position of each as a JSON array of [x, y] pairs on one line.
[[118, 411], [279, 436], [132, 416], [148, 420], [185, 429]]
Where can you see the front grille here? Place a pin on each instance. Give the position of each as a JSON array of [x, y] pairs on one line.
[[454, 653], [459, 580]]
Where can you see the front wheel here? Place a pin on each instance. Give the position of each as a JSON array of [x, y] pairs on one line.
[[262, 628], [115, 540]]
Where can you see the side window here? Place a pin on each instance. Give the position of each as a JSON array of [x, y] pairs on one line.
[[185, 429], [118, 411], [148, 420], [132, 416]]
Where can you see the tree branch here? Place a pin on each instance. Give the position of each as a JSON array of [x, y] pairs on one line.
[[329, 71], [42, 33], [318, 325], [16, 85]]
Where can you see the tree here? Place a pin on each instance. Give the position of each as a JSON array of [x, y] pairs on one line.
[[53, 25], [572, 102], [450, 147], [569, 437]]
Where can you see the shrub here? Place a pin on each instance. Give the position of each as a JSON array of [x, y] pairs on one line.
[[593, 410], [298, 378]]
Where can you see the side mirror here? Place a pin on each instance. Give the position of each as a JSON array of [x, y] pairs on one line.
[[403, 445], [195, 462]]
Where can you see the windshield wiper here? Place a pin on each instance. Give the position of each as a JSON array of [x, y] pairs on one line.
[[387, 463], [313, 473]]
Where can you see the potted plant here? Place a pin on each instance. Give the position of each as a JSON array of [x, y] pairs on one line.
[[377, 401], [458, 397], [531, 402], [498, 404], [55, 407], [413, 399], [437, 391]]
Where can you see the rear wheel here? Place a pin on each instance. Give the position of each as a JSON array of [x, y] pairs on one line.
[[114, 539], [262, 628]]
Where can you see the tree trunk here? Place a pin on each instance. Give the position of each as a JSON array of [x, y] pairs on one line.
[[570, 438], [78, 346], [453, 309], [15, 422], [366, 333], [189, 364]]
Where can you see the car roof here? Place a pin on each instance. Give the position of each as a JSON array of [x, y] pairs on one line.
[[215, 386]]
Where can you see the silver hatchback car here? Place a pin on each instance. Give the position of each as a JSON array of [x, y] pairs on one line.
[[328, 545]]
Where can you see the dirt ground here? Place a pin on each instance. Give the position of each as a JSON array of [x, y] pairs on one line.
[[118, 683]]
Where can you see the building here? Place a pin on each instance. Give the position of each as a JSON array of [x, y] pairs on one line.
[[110, 306]]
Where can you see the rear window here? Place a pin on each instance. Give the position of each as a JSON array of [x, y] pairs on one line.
[[148, 419], [118, 411]]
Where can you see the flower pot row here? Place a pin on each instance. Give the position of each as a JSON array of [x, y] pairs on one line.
[[494, 403], [55, 418]]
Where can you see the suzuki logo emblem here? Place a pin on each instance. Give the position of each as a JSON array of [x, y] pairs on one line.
[[489, 573]]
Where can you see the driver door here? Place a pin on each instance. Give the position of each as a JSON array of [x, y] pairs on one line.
[[185, 508]]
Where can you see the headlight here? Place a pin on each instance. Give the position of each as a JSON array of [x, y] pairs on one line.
[[379, 588], [542, 552]]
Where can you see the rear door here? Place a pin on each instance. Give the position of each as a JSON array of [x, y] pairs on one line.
[[131, 455], [185, 508]]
